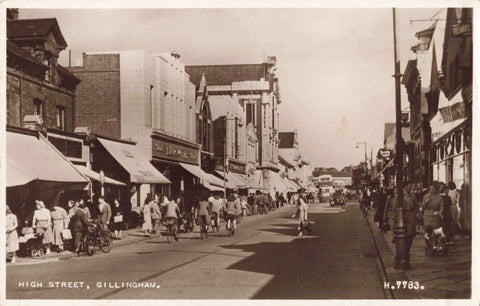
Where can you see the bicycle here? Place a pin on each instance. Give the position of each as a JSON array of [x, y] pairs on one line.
[[365, 207], [171, 231], [203, 227], [215, 225], [96, 236], [230, 229]]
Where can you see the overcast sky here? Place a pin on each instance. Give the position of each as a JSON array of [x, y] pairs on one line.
[[335, 66]]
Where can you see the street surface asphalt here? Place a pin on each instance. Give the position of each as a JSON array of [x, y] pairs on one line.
[[264, 260]]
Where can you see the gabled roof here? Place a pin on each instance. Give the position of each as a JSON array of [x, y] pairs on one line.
[[28, 29], [16, 50], [286, 140], [225, 74]]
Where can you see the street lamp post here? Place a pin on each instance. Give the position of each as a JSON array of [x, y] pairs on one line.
[[366, 167], [402, 260]]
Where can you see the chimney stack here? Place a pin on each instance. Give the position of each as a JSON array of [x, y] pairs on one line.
[[12, 14]]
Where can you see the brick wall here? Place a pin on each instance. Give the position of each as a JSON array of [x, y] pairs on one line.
[[20, 104], [98, 94]]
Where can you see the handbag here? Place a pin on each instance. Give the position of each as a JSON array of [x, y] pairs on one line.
[[117, 219], [66, 234]]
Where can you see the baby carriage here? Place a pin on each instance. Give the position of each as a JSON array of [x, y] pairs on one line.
[[31, 244], [435, 241]]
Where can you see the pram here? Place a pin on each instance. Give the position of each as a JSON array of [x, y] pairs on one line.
[[435, 241], [30, 244]]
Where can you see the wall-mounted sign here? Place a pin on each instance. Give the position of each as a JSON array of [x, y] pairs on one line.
[[172, 151], [236, 167]]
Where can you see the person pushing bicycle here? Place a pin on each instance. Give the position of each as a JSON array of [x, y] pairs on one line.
[[171, 216]]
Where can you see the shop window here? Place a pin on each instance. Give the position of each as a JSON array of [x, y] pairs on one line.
[[60, 118]]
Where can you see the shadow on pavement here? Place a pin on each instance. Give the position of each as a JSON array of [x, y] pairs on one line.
[[335, 263]]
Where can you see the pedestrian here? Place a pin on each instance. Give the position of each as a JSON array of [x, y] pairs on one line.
[[105, 213], [431, 209], [11, 224], [118, 223], [303, 222], [147, 216], [85, 207], [390, 212], [380, 208], [410, 204], [447, 218], [60, 222], [72, 207], [156, 215], [453, 193], [79, 224], [42, 223]]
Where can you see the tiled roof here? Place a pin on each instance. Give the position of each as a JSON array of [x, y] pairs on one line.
[[65, 72], [14, 49], [25, 29], [225, 74], [286, 140]]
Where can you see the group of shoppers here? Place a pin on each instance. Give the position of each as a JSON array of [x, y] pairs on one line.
[[57, 225], [436, 208]]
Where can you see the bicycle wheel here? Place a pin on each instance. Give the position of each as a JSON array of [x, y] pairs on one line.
[[105, 241], [89, 245], [169, 233]]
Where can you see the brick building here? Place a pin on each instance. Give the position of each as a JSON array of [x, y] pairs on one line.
[[257, 89], [137, 96], [36, 83]]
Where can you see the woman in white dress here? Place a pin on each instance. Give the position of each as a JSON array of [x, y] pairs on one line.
[[60, 222], [147, 217], [42, 223], [12, 235]]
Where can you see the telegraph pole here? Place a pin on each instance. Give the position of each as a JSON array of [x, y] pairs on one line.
[[402, 260]]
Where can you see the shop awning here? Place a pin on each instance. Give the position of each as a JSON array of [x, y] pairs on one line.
[[276, 183], [211, 187], [134, 162], [206, 177], [297, 184], [233, 179], [96, 176], [30, 158], [290, 184]]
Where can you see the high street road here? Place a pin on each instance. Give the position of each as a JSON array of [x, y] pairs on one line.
[[264, 260]]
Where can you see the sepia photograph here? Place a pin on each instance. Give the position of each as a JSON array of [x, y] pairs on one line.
[[204, 153]]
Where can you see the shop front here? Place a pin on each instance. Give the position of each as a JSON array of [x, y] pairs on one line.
[[122, 161], [176, 158], [36, 170]]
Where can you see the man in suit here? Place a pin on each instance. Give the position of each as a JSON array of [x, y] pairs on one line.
[[105, 213], [79, 224]]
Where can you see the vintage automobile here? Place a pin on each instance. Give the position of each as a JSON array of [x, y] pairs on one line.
[[337, 199]]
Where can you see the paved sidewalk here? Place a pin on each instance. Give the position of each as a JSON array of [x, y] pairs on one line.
[[443, 277], [128, 237]]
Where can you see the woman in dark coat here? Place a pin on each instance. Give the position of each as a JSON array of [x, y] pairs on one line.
[[380, 207], [117, 219], [447, 217]]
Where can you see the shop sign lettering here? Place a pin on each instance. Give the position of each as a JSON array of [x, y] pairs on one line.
[[175, 152]]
